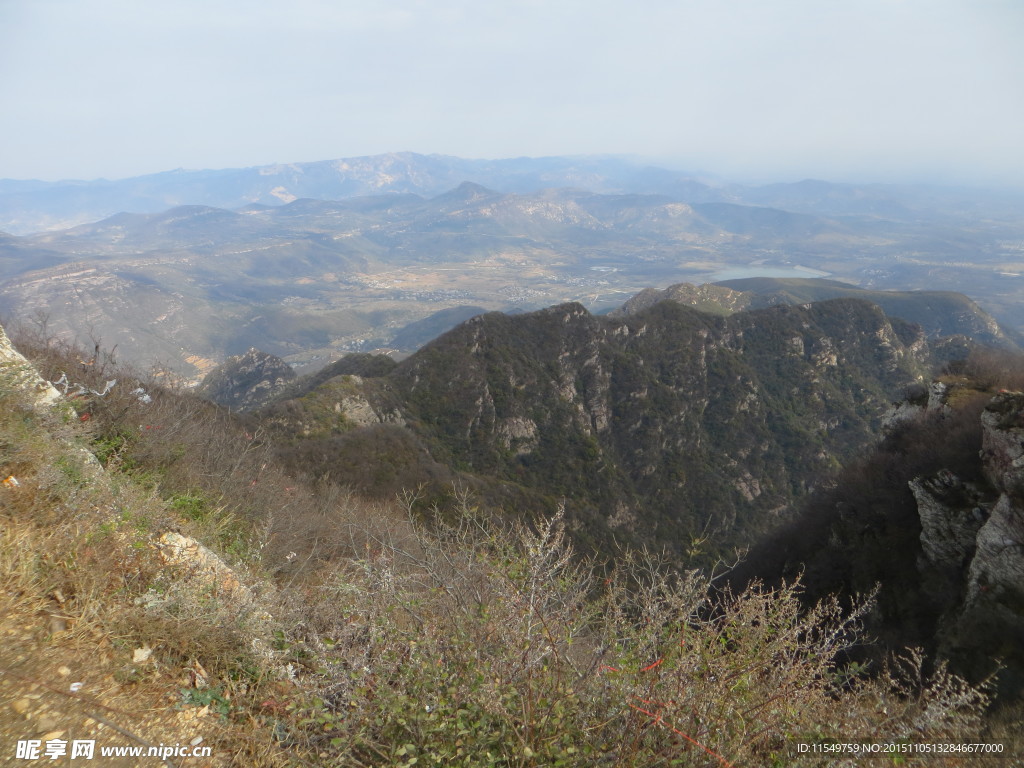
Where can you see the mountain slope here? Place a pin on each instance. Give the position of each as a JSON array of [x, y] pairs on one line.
[[192, 587], [709, 297]]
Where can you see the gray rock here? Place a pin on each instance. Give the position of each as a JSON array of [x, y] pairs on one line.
[[951, 516], [997, 570], [1002, 442]]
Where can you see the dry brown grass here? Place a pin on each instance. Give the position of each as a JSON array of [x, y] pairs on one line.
[[76, 557]]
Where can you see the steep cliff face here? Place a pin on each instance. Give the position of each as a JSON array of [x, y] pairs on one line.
[[979, 527], [977, 534], [952, 512], [662, 425]]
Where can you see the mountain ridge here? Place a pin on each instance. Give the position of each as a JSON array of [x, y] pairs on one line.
[[940, 313], [653, 427]]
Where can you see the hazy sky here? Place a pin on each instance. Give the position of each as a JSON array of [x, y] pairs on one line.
[[838, 89]]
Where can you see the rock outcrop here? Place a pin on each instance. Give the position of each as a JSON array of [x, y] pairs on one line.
[[1003, 443], [952, 512], [19, 373], [996, 578]]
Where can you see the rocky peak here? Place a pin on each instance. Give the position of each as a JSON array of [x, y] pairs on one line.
[[245, 382]]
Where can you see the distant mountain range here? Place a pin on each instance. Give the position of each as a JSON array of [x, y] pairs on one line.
[[30, 206]]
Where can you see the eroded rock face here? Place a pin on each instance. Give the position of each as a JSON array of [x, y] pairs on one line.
[[952, 513], [1002, 445], [900, 413], [997, 570], [357, 410], [518, 434]]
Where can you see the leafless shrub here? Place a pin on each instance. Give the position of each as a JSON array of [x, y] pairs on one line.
[[467, 640]]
